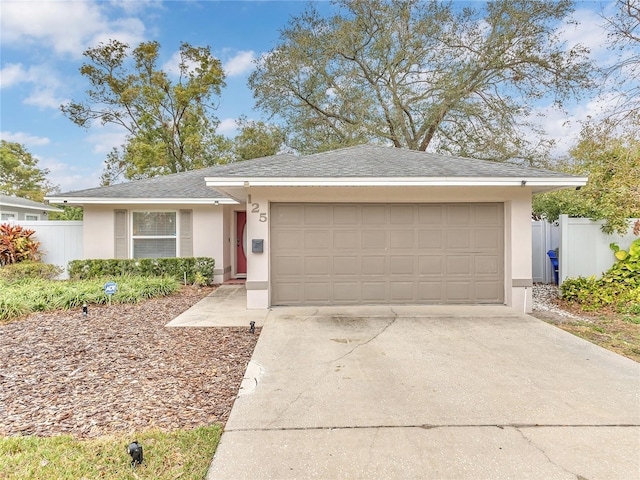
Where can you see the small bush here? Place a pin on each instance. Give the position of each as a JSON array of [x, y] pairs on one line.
[[29, 269], [177, 268], [619, 287], [16, 244], [199, 279]]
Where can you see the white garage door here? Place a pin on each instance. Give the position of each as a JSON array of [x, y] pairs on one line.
[[335, 254]]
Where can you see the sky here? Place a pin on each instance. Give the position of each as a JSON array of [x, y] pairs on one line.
[[41, 46]]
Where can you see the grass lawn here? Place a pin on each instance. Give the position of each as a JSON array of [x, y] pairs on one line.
[[618, 332], [183, 454]]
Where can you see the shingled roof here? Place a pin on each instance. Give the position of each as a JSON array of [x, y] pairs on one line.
[[185, 185], [364, 161], [9, 201], [360, 162]]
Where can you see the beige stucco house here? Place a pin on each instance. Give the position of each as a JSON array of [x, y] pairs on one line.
[[360, 225]]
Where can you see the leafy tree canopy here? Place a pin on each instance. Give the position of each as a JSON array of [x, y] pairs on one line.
[[20, 175], [610, 155], [257, 139], [420, 74], [170, 123], [69, 213]]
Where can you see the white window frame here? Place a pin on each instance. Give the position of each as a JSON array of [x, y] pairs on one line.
[[133, 237], [35, 215], [14, 217]]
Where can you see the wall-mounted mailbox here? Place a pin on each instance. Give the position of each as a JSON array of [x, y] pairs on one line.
[[257, 245]]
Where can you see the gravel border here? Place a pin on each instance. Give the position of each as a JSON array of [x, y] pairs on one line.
[[545, 304]]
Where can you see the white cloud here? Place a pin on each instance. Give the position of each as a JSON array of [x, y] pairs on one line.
[[135, 6], [45, 81], [105, 138], [68, 27], [589, 32], [240, 64], [24, 138], [228, 126], [45, 97], [564, 128], [69, 183], [69, 177], [13, 74], [172, 66]]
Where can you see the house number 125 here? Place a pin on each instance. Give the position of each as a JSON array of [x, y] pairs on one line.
[[255, 208]]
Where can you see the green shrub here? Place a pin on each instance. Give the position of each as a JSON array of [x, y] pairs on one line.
[[182, 269], [199, 279], [29, 269], [619, 286]]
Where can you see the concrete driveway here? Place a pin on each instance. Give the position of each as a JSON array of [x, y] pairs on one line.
[[430, 392]]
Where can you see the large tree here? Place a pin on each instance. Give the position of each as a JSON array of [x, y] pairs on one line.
[[624, 34], [169, 122], [419, 74], [257, 139], [609, 154], [20, 175]]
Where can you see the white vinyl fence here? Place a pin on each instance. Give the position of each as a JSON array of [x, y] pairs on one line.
[[583, 249], [60, 241], [545, 236]]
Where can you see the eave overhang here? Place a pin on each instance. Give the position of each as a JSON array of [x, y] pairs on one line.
[[140, 201], [536, 183], [46, 208]]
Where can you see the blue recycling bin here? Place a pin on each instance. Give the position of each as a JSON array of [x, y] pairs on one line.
[[554, 262]]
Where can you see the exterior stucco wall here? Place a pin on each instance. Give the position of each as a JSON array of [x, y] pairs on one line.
[[208, 231], [208, 235], [518, 268], [517, 201], [98, 230], [258, 214]]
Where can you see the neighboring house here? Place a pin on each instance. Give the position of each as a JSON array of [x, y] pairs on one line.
[[360, 225], [16, 208]]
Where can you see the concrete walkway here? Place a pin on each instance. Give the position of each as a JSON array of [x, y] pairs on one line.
[[430, 392], [224, 307]]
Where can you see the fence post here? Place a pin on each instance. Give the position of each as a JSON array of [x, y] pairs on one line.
[[563, 251]]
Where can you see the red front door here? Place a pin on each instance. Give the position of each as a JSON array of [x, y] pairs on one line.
[[241, 242]]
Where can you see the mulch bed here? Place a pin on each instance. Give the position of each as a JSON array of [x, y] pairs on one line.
[[118, 370]]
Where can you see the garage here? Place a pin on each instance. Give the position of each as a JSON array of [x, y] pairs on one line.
[[348, 254]]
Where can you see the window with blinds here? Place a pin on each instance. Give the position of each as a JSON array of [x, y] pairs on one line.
[[154, 234]]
